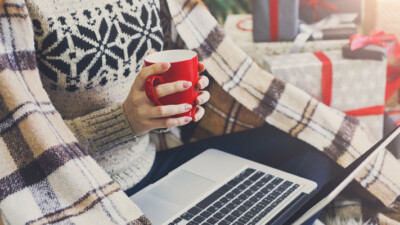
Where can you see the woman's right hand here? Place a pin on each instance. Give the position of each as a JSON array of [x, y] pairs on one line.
[[141, 113]]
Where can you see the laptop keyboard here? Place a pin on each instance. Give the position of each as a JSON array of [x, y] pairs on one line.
[[246, 199]]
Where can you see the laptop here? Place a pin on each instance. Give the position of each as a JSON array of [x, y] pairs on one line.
[[219, 188]]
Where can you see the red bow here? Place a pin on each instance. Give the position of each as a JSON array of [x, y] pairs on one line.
[[377, 37], [315, 4]]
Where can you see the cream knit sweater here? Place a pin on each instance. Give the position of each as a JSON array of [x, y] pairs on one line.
[[88, 53]]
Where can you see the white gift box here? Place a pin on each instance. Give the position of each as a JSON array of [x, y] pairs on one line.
[[239, 28], [355, 85]]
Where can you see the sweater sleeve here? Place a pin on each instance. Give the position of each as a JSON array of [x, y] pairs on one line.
[[103, 130]]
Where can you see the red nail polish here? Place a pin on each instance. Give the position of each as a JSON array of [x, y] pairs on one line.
[[188, 119]]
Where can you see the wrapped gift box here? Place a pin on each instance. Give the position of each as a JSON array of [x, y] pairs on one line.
[[275, 20], [312, 11], [332, 27], [356, 87], [378, 46], [239, 28], [370, 51], [392, 119]]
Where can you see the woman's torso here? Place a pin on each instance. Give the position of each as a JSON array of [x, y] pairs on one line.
[[89, 51]]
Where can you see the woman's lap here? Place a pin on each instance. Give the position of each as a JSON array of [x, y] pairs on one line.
[[266, 145]]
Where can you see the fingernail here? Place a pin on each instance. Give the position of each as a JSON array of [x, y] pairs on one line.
[[165, 66], [187, 84], [188, 119], [188, 107]]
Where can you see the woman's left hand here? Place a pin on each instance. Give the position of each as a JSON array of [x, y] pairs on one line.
[[144, 116]]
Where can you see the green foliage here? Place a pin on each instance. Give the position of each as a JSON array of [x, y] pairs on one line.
[[222, 8]]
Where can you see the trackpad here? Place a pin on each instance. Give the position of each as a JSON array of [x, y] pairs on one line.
[[181, 188]]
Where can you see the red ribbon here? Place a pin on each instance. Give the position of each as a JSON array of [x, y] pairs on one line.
[[368, 111], [274, 19], [240, 26], [377, 37], [315, 3], [393, 112], [327, 78], [327, 83]]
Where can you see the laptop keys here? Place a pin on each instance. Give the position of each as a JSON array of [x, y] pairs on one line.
[[212, 220], [199, 219], [245, 199], [187, 216], [195, 210], [214, 196]]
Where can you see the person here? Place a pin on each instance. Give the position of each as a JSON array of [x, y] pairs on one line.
[[90, 59]]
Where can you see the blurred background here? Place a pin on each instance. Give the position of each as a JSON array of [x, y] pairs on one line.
[[366, 79], [222, 8]]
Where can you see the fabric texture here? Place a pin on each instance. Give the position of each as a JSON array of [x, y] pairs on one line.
[[341, 137], [108, 137], [41, 160], [88, 55], [103, 130], [344, 84], [89, 52], [46, 176]]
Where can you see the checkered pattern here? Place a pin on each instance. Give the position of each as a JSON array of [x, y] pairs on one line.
[[339, 136], [45, 175]]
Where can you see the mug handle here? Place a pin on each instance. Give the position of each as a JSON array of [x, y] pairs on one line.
[[149, 88]]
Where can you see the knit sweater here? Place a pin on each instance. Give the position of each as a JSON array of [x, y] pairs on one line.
[[47, 177], [88, 54]]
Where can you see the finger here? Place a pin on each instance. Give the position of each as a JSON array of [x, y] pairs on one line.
[[203, 82], [200, 67], [199, 113], [154, 69], [171, 88], [168, 110], [203, 97], [172, 122]]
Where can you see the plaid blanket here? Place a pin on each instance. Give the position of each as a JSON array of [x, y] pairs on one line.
[[47, 177], [341, 137]]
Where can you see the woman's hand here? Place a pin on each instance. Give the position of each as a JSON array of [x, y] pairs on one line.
[[143, 116]]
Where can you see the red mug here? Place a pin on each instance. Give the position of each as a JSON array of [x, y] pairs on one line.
[[184, 66]]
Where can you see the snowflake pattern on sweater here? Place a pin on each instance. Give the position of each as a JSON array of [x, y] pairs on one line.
[[94, 46]]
